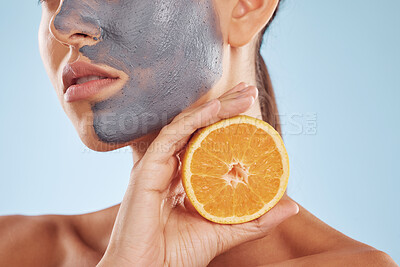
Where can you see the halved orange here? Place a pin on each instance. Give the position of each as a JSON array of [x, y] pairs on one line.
[[235, 170]]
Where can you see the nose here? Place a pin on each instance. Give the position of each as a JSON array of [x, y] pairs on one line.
[[74, 24]]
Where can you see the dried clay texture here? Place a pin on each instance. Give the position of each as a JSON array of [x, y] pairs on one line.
[[171, 50]]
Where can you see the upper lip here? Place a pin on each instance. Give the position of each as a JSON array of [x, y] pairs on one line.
[[73, 71]]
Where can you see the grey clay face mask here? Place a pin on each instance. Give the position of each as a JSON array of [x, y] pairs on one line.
[[170, 49]]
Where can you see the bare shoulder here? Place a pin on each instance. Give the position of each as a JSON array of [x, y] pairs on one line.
[[304, 240], [54, 240], [29, 240]]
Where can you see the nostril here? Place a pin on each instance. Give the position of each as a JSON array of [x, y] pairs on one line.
[[84, 36], [79, 35], [74, 27]]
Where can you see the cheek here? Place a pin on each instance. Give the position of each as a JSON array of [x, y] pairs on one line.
[[171, 66], [52, 52]]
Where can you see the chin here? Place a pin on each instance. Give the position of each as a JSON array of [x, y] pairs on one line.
[[92, 141], [100, 146], [81, 116], [82, 120]]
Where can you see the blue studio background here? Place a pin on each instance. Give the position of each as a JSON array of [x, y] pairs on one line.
[[335, 68]]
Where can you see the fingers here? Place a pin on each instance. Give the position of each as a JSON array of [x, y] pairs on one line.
[[237, 102], [230, 92], [233, 235], [172, 136], [237, 88], [282, 211], [175, 135]]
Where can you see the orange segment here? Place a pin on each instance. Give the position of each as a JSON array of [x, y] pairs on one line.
[[206, 164], [239, 136], [245, 201], [269, 164], [216, 144], [208, 187], [235, 170], [222, 204], [265, 188], [260, 145]]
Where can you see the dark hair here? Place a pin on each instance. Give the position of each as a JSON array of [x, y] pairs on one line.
[[269, 108]]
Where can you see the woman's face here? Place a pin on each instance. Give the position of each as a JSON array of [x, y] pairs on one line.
[[123, 69]]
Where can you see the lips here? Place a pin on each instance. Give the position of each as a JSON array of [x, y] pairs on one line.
[[84, 81]]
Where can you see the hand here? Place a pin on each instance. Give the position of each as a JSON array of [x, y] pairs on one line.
[[156, 224]]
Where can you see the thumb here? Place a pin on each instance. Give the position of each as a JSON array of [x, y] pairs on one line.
[[236, 234]]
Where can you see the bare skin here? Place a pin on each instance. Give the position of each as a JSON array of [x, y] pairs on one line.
[[81, 240], [155, 224]]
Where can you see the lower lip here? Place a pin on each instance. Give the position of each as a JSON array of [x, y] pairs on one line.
[[87, 90]]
